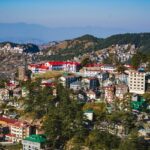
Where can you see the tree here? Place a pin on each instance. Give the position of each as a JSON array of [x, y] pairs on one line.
[[38, 100], [102, 140], [64, 119], [121, 68], [133, 142], [137, 59], [85, 61]]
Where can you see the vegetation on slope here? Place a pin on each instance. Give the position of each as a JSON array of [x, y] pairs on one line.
[[88, 43]]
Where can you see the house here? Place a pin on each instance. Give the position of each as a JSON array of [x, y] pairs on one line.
[[90, 83], [120, 90], [144, 133], [138, 103], [66, 80], [93, 83], [123, 77], [91, 70], [109, 93], [34, 142], [108, 68], [47, 83], [76, 85], [4, 94], [102, 76], [81, 96]]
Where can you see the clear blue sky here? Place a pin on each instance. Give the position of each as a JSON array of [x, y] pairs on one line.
[[127, 14]]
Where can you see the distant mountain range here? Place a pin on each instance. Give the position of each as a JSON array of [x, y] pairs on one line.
[[38, 34]]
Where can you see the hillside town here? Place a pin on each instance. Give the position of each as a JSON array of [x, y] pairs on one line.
[[115, 87]]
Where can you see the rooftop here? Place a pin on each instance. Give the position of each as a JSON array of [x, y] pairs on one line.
[[39, 138]]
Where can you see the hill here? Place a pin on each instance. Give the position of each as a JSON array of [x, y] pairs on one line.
[[86, 44], [28, 48]]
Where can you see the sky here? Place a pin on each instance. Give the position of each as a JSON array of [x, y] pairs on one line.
[[117, 16]]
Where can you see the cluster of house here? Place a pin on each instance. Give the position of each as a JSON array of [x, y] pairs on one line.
[[92, 83], [12, 130], [122, 52], [8, 48]]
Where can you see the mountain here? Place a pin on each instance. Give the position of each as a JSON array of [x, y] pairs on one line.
[[67, 49], [38, 34]]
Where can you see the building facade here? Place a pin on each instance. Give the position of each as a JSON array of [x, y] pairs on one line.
[[34, 142], [137, 82]]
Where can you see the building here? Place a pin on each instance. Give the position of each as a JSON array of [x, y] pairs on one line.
[[137, 82], [123, 77], [89, 114], [76, 85], [94, 83], [91, 95], [108, 68], [109, 93], [17, 129], [121, 90], [21, 72], [55, 65], [66, 80], [34, 142], [4, 94], [138, 103]]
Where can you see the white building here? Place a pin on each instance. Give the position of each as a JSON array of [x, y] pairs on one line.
[[89, 114], [108, 68], [34, 142], [136, 82]]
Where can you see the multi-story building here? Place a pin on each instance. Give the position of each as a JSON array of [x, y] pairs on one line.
[[17, 129], [137, 82], [54, 65]]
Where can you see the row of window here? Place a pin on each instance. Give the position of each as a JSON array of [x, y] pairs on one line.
[[132, 88]]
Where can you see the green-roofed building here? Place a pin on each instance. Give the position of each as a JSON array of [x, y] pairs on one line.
[[34, 142], [139, 104]]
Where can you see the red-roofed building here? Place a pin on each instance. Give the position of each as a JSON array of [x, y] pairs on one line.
[[54, 65], [18, 129]]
